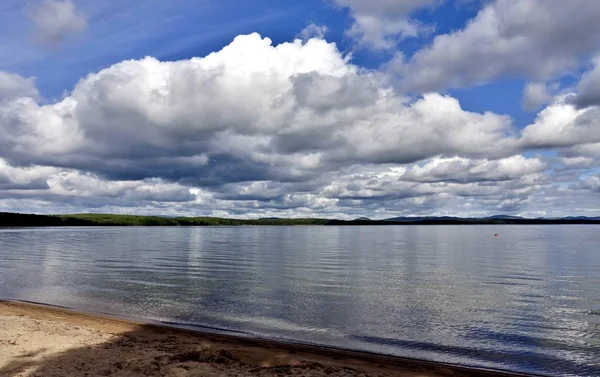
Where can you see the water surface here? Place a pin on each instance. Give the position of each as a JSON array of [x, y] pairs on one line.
[[527, 300]]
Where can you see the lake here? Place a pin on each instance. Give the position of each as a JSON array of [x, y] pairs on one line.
[[526, 300]]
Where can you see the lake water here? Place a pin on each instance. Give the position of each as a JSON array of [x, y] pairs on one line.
[[527, 300]]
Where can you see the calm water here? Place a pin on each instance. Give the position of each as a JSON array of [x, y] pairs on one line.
[[528, 300]]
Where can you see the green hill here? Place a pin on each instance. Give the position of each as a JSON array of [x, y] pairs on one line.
[[99, 219]]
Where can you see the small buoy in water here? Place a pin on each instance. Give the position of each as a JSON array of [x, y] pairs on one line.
[[495, 234]]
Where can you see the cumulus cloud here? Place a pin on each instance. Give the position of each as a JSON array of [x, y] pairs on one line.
[[589, 88], [13, 86], [380, 24], [570, 123], [466, 170], [440, 186], [532, 39], [56, 20], [590, 150], [63, 184], [535, 95], [563, 125], [26, 178], [289, 130], [300, 109], [74, 183]]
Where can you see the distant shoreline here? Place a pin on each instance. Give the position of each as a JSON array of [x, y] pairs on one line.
[[52, 341], [29, 220]]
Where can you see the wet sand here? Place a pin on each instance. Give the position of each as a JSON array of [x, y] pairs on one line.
[[45, 341]]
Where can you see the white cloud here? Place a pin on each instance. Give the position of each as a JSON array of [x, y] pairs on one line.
[[30, 129], [535, 95], [532, 39], [563, 125], [571, 122], [430, 126], [585, 150], [13, 86], [25, 178], [442, 186], [287, 130], [299, 108], [85, 185], [381, 24], [56, 20], [577, 162], [313, 31], [466, 170], [68, 184]]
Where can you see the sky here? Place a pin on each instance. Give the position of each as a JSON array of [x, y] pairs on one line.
[[319, 108]]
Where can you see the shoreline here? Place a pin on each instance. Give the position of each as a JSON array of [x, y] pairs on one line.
[[8, 219], [45, 340]]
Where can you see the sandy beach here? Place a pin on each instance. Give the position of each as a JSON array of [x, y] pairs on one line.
[[45, 341]]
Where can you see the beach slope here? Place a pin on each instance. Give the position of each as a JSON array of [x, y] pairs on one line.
[[45, 341]]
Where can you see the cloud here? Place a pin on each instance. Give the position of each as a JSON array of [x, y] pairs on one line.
[[63, 184], [299, 109], [56, 20], [589, 88], [13, 86], [591, 183], [532, 39], [584, 150], [535, 95], [570, 123], [26, 178], [466, 170], [354, 190], [377, 191], [381, 24], [441, 186], [75, 184], [313, 31], [577, 162], [289, 130], [563, 125]]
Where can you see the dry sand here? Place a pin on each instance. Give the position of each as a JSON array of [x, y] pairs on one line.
[[44, 341]]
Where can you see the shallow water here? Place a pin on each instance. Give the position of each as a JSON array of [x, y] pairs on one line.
[[527, 300]]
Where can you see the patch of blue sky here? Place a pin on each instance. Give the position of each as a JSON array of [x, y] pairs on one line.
[[500, 97], [172, 30], [181, 29]]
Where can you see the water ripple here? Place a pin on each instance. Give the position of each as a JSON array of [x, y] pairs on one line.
[[528, 301]]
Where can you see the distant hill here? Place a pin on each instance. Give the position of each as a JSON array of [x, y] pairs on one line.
[[99, 219], [503, 217], [581, 218], [423, 218], [495, 219], [95, 219]]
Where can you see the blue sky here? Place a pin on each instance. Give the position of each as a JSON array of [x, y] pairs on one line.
[[185, 28], [477, 85]]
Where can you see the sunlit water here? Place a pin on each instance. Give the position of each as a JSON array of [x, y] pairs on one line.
[[527, 300]]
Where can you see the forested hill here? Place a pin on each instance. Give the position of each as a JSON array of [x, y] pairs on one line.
[[86, 219], [27, 220]]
